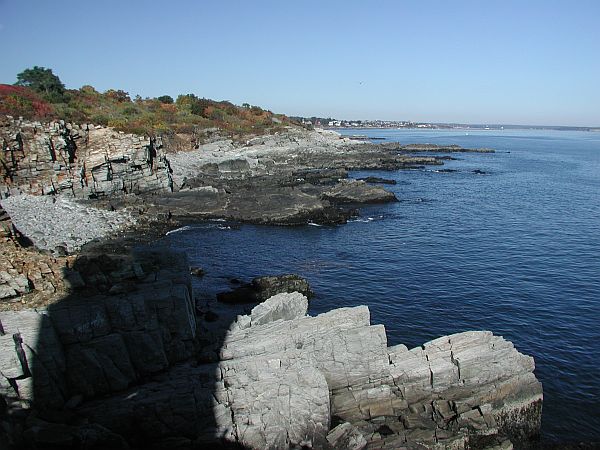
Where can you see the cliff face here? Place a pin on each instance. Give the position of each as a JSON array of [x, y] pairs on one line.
[[83, 161], [140, 322]]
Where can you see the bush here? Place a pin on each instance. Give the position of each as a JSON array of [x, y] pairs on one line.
[[130, 111], [118, 95], [20, 101]]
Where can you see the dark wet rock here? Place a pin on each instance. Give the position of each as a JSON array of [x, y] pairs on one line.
[[446, 170], [262, 288], [320, 176], [354, 191], [377, 180], [269, 286], [211, 316], [197, 271], [479, 172], [443, 148], [243, 294], [262, 204]]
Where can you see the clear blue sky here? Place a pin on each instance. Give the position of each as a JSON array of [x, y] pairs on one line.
[[524, 62]]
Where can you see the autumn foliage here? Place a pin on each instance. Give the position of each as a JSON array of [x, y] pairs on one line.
[[21, 101], [42, 96]]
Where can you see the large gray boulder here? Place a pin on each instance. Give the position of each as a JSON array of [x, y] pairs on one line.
[[279, 307]]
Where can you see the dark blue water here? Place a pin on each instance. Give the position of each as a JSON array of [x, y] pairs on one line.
[[515, 251]]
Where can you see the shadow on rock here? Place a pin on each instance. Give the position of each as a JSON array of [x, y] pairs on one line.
[[114, 363]]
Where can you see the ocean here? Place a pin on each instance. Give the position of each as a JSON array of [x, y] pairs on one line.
[[508, 242]]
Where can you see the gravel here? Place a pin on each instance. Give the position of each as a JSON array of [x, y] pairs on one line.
[[56, 223]]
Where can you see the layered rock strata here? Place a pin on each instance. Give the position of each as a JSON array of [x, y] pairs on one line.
[[82, 161], [96, 345]]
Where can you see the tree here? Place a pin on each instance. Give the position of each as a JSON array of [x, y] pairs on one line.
[[185, 101], [167, 99], [43, 81], [118, 95], [199, 107]]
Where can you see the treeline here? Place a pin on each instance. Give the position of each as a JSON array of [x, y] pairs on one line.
[[39, 94]]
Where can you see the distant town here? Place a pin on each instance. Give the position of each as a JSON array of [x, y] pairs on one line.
[[336, 123]]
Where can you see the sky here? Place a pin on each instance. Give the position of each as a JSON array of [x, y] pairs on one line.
[[512, 62]]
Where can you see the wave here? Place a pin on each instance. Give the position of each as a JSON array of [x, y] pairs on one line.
[[180, 229]]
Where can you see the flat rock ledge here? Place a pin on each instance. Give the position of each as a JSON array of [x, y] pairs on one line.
[[125, 371]]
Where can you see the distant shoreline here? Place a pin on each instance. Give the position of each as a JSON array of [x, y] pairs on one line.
[[467, 127]]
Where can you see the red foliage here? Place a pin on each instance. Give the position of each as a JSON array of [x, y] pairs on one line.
[[7, 89], [21, 101]]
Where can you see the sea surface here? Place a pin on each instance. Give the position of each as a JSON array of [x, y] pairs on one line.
[[515, 250]]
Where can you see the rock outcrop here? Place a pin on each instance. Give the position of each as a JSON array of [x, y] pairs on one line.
[[83, 161], [90, 346], [26, 271], [355, 191], [124, 365], [462, 391]]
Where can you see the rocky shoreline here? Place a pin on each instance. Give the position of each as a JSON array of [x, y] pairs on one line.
[[287, 178], [105, 346]]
